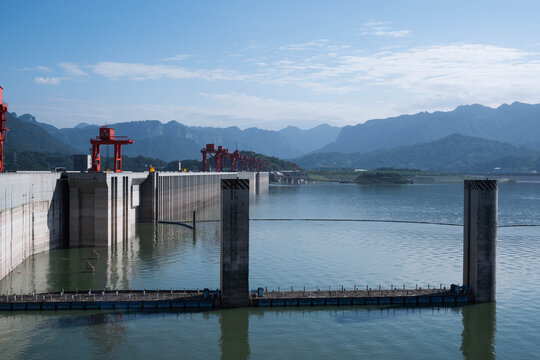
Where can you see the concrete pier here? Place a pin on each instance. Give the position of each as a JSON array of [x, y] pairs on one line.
[[480, 238], [234, 242]]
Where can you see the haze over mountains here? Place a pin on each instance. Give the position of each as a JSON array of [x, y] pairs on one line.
[[469, 138], [173, 141], [517, 124], [454, 153]]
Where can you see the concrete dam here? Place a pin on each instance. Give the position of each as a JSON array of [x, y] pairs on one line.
[[479, 241], [40, 211]]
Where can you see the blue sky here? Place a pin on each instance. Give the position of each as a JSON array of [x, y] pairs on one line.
[[265, 64]]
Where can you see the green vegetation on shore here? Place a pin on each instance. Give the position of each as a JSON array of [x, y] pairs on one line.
[[381, 177], [275, 164], [43, 161], [377, 176], [28, 160]]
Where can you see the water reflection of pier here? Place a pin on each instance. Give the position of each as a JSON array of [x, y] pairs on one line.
[[234, 341], [479, 328]]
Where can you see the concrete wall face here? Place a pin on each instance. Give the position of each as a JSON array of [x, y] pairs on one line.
[[173, 196], [31, 216], [480, 238], [263, 182], [102, 208], [234, 242]]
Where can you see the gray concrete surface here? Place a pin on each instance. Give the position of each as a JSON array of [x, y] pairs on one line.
[[480, 238], [234, 262], [31, 216]]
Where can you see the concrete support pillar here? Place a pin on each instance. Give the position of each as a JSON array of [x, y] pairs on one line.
[[480, 238], [258, 182], [234, 242]]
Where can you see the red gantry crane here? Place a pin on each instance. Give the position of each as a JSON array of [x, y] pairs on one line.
[[107, 137], [208, 150], [220, 155], [3, 128], [237, 161]]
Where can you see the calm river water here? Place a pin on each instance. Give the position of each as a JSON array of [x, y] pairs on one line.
[[298, 254]]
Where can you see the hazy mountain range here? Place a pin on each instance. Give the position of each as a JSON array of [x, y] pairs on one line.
[[173, 141], [453, 153], [517, 124], [469, 138]]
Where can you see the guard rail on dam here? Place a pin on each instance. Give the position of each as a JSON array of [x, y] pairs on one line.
[[178, 300], [44, 210]]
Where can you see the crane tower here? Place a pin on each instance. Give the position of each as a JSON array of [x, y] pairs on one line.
[[3, 128]]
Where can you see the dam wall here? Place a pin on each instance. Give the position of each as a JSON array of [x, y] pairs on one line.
[[174, 196], [32, 215], [40, 211]]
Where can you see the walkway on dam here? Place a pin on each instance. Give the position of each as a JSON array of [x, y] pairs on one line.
[[208, 299]]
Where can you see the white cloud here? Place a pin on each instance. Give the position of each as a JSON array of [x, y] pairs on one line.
[[138, 71], [178, 57], [43, 68], [307, 45], [243, 110], [320, 44], [37, 68], [470, 72], [382, 28], [344, 86], [72, 69], [47, 80]]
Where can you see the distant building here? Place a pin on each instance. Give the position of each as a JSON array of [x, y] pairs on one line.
[[288, 177], [177, 165], [82, 162]]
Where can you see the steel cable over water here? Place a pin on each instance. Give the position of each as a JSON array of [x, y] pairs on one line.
[[181, 222]]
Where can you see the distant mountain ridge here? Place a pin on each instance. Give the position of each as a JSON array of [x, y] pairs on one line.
[[172, 140], [517, 124], [438, 141], [25, 135], [311, 139], [453, 153]]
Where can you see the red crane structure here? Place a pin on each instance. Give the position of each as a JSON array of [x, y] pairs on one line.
[[107, 137], [208, 150], [236, 160], [220, 155], [3, 128]]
